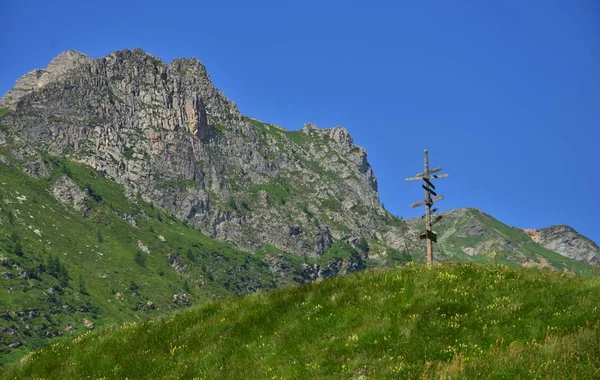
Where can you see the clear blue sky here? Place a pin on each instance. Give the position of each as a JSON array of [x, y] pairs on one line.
[[504, 94]]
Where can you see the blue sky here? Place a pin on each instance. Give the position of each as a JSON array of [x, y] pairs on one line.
[[504, 94]]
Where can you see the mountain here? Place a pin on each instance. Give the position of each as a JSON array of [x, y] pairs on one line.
[[164, 132], [568, 242], [131, 187], [77, 254], [469, 234], [462, 321]]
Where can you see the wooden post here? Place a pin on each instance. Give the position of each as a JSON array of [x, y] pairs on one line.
[[428, 213], [427, 175]]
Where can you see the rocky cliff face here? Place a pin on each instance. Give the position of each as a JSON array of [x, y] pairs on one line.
[[171, 138], [168, 135], [568, 242]]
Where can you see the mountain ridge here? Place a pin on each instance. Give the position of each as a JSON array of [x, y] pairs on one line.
[[566, 241], [188, 123], [209, 117], [131, 187]]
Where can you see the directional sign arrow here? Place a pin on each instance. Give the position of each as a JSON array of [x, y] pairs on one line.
[[428, 234], [439, 176], [417, 204], [428, 182], [427, 201], [432, 236], [421, 176], [438, 198], [428, 189], [425, 174]]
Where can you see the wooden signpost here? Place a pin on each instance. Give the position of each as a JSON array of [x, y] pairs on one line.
[[429, 188]]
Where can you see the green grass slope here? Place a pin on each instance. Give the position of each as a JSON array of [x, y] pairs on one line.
[[60, 267], [443, 321]]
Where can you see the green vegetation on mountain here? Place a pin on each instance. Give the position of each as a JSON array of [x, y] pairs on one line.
[[59, 267], [122, 200], [442, 321], [118, 259], [472, 235], [107, 259]]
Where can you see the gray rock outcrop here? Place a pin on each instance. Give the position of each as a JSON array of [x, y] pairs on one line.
[[67, 192], [568, 242], [165, 132]]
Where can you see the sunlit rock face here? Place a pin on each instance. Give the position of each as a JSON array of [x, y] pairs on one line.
[[167, 134]]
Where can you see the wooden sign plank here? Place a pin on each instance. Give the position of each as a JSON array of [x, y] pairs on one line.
[[423, 174], [428, 182], [428, 189], [432, 236], [428, 201], [436, 170], [417, 204], [438, 198], [424, 177], [428, 234]]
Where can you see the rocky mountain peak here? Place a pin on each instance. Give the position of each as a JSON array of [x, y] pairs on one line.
[[341, 136], [38, 78], [566, 241], [192, 64], [309, 127], [66, 60], [142, 57], [164, 132]]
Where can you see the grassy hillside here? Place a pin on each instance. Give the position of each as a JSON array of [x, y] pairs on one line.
[[452, 320], [62, 269], [59, 267], [117, 259]]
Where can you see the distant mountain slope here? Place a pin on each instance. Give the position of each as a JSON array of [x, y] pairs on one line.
[[568, 242], [464, 321], [471, 235]]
